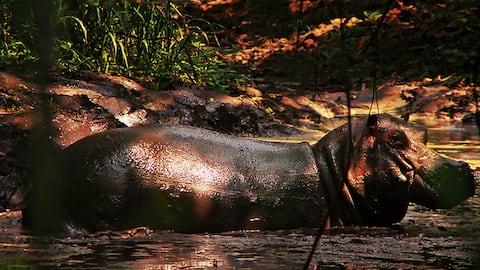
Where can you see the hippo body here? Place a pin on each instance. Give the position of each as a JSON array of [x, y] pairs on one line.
[[190, 179]]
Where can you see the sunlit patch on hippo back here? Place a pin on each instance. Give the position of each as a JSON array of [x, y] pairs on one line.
[[187, 172]]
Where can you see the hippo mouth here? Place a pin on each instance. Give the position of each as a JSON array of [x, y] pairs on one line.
[[442, 183]]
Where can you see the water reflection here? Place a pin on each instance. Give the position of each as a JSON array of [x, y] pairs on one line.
[[458, 143], [168, 250], [369, 248]]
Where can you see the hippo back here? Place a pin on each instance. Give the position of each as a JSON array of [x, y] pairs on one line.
[[202, 173]]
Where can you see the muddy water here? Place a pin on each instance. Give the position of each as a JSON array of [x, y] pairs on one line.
[[425, 239], [458, 143]]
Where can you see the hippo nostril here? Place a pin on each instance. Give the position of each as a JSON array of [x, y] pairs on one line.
[[462, 164]]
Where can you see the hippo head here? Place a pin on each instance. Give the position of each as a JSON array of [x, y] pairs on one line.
[[391, 166]]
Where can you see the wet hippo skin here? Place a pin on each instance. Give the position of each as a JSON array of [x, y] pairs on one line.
[[190, 179]]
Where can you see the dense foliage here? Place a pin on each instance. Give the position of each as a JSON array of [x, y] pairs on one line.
[[156, 40], [302, 41], [148, 39]]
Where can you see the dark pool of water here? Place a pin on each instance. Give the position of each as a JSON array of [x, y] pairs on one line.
[[425, 239]]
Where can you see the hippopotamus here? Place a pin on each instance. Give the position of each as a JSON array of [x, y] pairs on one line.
[[190, 179]]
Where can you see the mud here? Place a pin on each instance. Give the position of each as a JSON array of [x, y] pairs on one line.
[[424, 240]]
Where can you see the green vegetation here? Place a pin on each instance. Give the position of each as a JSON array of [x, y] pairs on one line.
[[157, 41], [149, 39]]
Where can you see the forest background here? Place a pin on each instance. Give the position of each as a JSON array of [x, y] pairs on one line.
[[227, 44]]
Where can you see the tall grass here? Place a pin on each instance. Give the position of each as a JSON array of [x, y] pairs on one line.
[[147, 39], [16, 34]]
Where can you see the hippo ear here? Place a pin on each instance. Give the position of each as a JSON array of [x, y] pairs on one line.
[[372, 124]]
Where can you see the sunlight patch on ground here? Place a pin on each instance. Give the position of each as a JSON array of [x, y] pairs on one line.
[[257, 49]]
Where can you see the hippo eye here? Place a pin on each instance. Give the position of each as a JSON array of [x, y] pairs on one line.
[[398, 140]]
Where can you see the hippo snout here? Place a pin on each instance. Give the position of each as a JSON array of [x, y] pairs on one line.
[[443, 183]]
